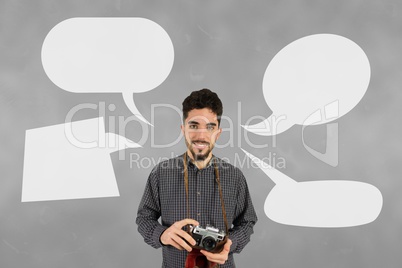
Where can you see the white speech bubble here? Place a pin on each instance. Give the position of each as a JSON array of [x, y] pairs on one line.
[[94, 55], [71, 161], [332, 203], [309, 74]]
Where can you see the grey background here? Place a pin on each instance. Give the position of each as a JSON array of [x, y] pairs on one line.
[[226, 46]]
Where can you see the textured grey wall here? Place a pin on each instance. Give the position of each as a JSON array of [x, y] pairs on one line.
[[226, 46]]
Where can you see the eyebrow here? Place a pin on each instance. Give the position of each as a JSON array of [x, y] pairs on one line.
[[196, 123]]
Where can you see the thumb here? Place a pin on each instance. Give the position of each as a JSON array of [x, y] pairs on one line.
[[227, 245]]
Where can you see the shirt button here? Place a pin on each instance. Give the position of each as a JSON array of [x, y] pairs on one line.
[[198, 193], [198, 214]]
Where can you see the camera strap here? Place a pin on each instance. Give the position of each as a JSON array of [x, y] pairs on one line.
[[217, 178]]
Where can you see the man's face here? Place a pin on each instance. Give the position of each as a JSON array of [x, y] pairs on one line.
[[201, 131]]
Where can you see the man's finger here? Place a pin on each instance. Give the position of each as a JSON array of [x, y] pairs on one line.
[[174, 244], [215, 257], [185, 222], [179, 240], [186, 237], [227, 245], [221, 257]]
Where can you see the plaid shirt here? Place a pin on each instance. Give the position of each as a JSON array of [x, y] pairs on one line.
[[164, 197]]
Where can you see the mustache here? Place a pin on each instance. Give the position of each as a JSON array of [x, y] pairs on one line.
[[198, 141]]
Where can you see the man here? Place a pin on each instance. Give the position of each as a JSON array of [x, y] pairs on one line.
[[199, 201]]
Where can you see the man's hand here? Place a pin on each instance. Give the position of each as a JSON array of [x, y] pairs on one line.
[[221, 257], [176, 237]]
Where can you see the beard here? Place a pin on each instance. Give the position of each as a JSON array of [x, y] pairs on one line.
[[199, 156]]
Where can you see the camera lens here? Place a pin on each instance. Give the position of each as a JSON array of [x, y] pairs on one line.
[[209, 243]]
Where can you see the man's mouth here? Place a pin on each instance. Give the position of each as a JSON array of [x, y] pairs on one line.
[[200, 145]]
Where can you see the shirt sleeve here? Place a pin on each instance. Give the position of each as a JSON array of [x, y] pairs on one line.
[[149, 212], [245, 218]]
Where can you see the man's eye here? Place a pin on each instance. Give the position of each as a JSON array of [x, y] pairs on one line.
[[210, 128], [192, 126]]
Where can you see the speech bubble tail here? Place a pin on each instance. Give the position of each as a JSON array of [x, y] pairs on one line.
[[116, 142], [276, 176], [271, 126], [129, 100]]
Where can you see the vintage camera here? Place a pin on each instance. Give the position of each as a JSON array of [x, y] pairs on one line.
[[207, 238]]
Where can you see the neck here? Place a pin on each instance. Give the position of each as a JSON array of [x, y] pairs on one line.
[[200, 164]]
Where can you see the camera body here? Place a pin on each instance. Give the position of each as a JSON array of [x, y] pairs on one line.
[[207, 238]]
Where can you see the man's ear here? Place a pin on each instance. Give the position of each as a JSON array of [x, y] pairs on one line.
[[182, 129]]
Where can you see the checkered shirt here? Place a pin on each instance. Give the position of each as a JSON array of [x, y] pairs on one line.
[[165, 197]]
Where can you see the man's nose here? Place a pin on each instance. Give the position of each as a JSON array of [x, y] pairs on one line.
[[200, 133]]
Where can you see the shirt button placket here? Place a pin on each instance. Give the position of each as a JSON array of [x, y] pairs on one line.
[[199, 174]]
